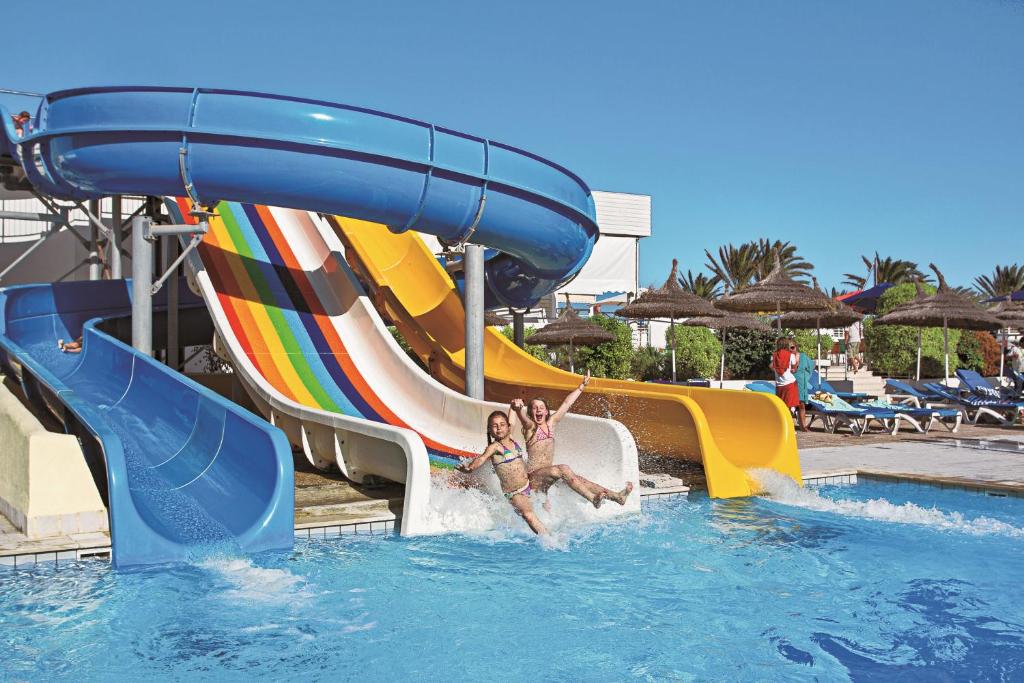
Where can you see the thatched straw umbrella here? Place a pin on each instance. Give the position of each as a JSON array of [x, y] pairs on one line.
[[837, 314], [729, 321], [947, 308], [776, 292], [1010, 314], [570, 329], [669, 301]]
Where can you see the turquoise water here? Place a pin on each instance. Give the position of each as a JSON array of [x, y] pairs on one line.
[[862, 582]]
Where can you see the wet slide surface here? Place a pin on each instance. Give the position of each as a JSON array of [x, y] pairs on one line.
[[308, 342], [727, 431], [187, 472]]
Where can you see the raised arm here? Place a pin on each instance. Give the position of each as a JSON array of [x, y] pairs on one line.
[[518, 409], [569, 400], [479, 461]]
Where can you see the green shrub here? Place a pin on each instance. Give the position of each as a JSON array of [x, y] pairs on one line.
[[807, 340], [748, 354], [892, 349], [611, 359], [648, 364], [969, 352], [538, 351], [698, 352]]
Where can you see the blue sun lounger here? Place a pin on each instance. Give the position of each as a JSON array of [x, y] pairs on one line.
[[908, 394], [839, 413], [950, 418], [819, 383], [981, 387], [1004, 412]]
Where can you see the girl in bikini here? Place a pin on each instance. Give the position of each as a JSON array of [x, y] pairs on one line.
[[509, 464], [539, 430]]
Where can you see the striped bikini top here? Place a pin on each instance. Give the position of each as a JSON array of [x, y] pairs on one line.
[[509, 455]]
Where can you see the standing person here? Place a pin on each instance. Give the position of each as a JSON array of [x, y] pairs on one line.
[[539, 431], [1015, 360], [784, 361], [854, 336], [507, 457], [803, 372]]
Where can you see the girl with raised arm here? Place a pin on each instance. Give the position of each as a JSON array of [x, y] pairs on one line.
[[507, 457], [539, 425]]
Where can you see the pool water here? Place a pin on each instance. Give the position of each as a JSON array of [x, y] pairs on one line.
[[865, 582]]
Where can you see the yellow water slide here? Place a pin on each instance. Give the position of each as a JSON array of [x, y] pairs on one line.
[[729, 432]]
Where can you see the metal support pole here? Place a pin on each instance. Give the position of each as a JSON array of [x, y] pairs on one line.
[[116, 235], [95, 268], [519, 328], [672, 331], [474, 274], [945, 347], [721, 372], [142, 280], [169, 266], [919, 352]]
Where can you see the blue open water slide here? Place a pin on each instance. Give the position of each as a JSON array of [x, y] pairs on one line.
[[319, 156], [186, 470]]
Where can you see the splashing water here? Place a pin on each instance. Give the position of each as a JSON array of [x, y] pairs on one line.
[[484, 511], [782, 489], [245, 582]]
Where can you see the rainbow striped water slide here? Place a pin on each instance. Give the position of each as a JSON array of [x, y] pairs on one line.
[[320, 363]]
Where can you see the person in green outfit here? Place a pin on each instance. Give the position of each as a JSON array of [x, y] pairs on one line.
[[803, 383]]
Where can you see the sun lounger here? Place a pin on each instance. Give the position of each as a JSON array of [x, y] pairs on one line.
[[981, 387], [908, 394], [950, 418], [837, 413], [1005, 413], [818, 383]]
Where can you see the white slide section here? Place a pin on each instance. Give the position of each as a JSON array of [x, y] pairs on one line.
[[423, 414]]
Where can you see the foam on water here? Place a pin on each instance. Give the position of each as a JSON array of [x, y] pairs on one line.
[[245, 582], [782, 489]]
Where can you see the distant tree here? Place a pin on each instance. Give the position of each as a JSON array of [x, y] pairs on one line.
[[611, 359], [888, 269], [536, 350], [792, 264], [701, 285], [739, 267], [735, 266], [1003, 280]]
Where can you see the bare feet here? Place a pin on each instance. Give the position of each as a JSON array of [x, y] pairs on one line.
[[622, 495], [599, 498]]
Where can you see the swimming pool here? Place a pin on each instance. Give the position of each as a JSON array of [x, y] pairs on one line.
[[857, 582]]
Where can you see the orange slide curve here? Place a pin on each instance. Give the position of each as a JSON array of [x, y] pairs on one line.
[[729, 432]]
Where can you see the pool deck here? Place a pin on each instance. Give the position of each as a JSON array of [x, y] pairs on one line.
[[992, 464]]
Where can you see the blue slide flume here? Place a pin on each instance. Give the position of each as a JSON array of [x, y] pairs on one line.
[[186, 470]]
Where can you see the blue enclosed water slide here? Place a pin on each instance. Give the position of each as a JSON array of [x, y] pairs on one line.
[[186, 470], [214, 145]]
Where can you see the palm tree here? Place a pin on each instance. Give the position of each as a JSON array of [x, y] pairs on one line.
[[793, 265], [701, 285], [1004, 280], [893, 271], [740, 266], [736, 267]]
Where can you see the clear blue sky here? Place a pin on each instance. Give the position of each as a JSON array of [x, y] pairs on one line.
[[842, 127]]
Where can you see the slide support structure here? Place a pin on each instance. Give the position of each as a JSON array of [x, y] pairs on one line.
[[144, 234], [142, 279], [95, 269], [519, 328], [116, 235], [474, 273]]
